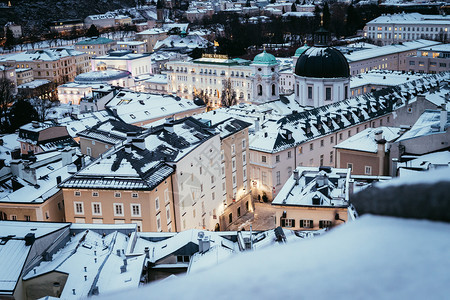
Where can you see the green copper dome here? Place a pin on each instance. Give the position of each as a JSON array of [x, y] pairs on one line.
[[265, 59], [300, 50]]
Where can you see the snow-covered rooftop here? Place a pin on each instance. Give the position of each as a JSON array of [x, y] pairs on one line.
[[411, 19], [315, 187], [366, 140], [382, 78], [52, 54], [14, 250], [428, 123], [43, 185], [190, 41], [91, 260], [134, 107], [386, 50]]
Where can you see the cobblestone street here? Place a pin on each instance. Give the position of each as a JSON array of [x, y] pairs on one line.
[[263, 218]]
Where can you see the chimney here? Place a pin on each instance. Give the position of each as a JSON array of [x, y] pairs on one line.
[[58, 180], [147, 252], [205, 244], [200, 236], [16, 167], [35, 124], [123, 269], [118, 252], [443, 120], [378, 135], [257, 124], [66, 156], [124, 260], [296, 177]]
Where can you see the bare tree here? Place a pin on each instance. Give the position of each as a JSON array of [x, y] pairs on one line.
[[6, 98], [43, 99], [228, 94], [205, 98]]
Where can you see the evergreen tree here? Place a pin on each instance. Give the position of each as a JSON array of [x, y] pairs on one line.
[[353, 21], [21, 113], [293, 7], [297, 2], [326, 16], [272, 1], [10, 39], [92, 31], [247, 4]]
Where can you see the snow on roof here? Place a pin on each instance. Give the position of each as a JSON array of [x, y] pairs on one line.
[[158, 78], [382, 78], [152, 31], [95, 41], [280, 133], [428, 123], [436, 48], [366, 140], [411, 19], [83, 121], [45, 186], [329, 186], [111, 131], [428, 161], [167, 246], [92, 260], [298, 14], [190, 41], [118, 169], [120, 55], [134, 107], [10, 142], [386, 249], [386, 50], [14, 251], [131, 43], [431, 177], [223, 123], [33, 84], [101, 76], [51, 54]]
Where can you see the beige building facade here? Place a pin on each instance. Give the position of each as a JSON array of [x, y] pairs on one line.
[[55, 64], [146, 208]]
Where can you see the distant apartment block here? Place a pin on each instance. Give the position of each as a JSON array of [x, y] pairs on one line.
[[432, 60], [54, 64], [396, 28]]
